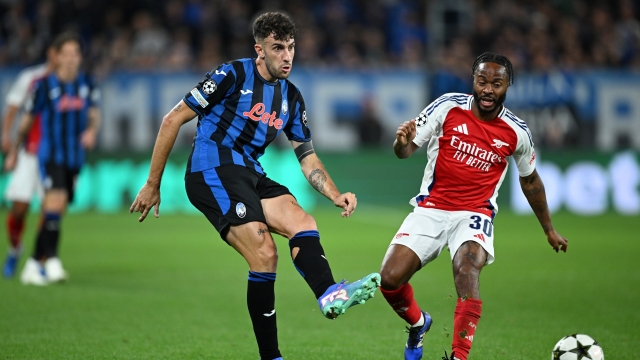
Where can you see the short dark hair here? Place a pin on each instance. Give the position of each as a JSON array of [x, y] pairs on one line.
[[64, 38], [494, 58], [278, 24]]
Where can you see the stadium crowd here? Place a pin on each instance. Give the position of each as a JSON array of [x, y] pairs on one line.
[[177, 35]]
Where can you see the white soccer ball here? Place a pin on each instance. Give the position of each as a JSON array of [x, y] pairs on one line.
[[577, 347]]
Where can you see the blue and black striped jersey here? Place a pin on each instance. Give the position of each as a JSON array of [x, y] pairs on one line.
[[63, 108], [240, 114]]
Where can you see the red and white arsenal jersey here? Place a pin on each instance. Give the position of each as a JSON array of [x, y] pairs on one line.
[[468, 158]]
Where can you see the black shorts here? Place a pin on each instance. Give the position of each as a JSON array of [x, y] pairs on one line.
[[59, 177], [231, 194]]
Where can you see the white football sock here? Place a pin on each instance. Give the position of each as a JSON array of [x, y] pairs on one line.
[[420, 322]]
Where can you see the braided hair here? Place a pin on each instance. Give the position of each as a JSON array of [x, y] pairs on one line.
[[494, 58]]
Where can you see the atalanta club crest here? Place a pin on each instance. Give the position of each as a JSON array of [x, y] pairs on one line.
[[209, 87], [285, 107], [421, 120], [241, 210]]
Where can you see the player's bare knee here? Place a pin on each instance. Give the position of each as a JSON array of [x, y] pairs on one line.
[[267, 254], [391, 278], [309, 222], [466, 273], [305, 222]]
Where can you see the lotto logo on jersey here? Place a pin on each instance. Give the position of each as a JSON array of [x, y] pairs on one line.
[[70, 103], [257, 113]]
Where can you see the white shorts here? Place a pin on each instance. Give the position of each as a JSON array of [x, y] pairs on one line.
[[428, 231], [25, 180]]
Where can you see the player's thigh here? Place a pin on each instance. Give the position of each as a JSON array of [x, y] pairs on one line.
[[474, 227], [423, 231], [25, 179], [286, 217], [226, 195], [283, 213]]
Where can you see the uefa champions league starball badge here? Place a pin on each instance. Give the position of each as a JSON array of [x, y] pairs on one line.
[[209, 87], [422, 120]]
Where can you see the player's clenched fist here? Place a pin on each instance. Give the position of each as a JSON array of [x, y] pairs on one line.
[[347, 202], [406, 132]]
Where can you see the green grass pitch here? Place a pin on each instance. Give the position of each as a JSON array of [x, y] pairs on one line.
[[169, 288]]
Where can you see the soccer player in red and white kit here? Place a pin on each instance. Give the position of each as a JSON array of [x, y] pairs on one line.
[[469, 140]]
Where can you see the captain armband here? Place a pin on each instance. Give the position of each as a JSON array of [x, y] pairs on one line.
[[304, 150]]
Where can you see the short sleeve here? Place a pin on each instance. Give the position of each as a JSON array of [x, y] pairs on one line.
[[297, 128], [216, 86], [19, 92], [37, 100], [525, 155], [429, 121]]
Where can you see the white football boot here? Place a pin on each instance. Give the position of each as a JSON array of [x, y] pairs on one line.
[[33, 273], [54, 271]]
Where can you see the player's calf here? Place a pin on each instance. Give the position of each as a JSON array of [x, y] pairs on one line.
[[310, 261]]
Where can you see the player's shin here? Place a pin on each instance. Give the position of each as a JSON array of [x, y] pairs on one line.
[[467, 315], [404, 304], [15, 227], [261, 304], [310, 261], [48, 237]]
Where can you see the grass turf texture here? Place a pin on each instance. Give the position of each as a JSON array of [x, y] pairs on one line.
[[169, 288]]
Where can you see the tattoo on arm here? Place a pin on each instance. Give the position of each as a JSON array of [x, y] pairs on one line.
[[533, 190], [317, 178], [177, 107], [262, 231]]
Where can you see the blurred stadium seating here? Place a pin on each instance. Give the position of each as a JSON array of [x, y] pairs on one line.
[[365, 66]]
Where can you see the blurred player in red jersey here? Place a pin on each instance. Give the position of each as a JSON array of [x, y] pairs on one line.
[[469, 140], [25, 180]]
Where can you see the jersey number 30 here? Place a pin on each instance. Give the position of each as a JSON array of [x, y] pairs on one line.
[[487, 226]]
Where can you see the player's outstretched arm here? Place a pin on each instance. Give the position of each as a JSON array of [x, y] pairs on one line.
[[149, 195], [317, 175], [404, 147], [533, 190]]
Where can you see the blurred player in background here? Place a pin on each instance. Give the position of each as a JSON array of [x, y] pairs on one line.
[[66, 100], [25, 179], [470, 139], [242, 106]]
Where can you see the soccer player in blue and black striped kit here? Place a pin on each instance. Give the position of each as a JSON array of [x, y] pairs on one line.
[[241, 107], [66, 101]]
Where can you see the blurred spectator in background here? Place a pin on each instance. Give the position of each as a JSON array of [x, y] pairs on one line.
[[129, 35], [541, 37]]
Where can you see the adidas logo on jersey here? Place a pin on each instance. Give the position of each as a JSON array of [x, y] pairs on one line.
[[479, 236], [461, 129]]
